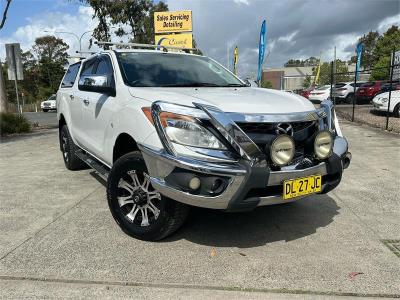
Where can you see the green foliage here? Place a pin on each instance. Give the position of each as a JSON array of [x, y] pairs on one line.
[[382, 52], [13, 123], [325, 73], [266, 84], [130, 18], [369, 41], [307, 81], [43, 70], [311, 61]]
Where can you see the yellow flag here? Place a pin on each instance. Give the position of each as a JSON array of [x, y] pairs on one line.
[[235, 59], [316, 79]]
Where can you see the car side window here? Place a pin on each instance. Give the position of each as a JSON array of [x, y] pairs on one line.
[[104, 66], [70, 75], [87, 68]]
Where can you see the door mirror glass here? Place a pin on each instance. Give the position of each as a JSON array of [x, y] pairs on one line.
[[96, 83]]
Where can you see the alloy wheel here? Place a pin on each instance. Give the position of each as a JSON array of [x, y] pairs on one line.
[[139, 202]]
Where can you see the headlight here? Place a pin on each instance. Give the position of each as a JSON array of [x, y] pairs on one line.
[[323, 144], [188, 131], [282, 150]]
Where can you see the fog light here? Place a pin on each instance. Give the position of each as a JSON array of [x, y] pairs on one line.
[[323, 145], [194, 183], [282, 150]]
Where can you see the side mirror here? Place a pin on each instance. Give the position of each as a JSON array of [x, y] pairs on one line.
[[96, 83]]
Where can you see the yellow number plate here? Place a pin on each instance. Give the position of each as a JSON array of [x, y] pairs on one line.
[[301, 186]]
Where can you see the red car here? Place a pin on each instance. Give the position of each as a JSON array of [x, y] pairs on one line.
[[306, 93], [368, 91]]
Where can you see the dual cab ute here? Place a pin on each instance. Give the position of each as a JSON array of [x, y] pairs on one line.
[[173, 130]]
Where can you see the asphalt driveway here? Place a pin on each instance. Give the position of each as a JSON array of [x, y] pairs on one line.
[[58, 239]]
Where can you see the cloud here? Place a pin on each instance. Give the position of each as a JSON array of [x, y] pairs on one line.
[[295, 29], [54, 22]]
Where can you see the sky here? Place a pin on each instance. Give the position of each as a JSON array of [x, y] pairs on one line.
[[296, 29]]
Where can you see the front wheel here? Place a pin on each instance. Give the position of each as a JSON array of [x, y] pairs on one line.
[[396, 110], [140, 210]]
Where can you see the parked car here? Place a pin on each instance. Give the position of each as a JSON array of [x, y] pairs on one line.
[[395, 85], [368, 91], [173, 130], [49, 104], [320, 94], [381, 102], [344, 91], [306, 93]]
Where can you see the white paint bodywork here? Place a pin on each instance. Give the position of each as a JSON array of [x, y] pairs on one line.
[[381, 101], [96, 126]]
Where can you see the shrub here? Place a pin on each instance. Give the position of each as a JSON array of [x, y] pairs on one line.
[[13, 123]]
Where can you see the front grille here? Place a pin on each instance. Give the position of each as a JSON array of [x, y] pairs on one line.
[[270, 128], [262, 134]]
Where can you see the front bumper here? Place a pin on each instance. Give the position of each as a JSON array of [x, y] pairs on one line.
[[247, 186]]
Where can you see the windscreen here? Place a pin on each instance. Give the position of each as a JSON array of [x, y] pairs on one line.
[[144, 69]]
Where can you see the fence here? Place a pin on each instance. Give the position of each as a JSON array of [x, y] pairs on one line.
[[31, 107], [357, 105]]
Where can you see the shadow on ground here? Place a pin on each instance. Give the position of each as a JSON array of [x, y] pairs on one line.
[[285, 222], [259, 227]]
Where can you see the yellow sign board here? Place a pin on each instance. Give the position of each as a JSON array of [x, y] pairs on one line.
[[181, 40], [173, 21]]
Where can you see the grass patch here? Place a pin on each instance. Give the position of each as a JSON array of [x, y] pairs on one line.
[[13, 123]]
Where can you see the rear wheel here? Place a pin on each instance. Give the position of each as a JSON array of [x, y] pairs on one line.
[[140, 210], [349, 98], [68, 149], [45, 110]]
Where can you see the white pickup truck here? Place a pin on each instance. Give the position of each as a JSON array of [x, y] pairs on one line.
[[172, 130]]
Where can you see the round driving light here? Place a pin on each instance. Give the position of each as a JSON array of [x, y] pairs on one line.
[[194, 183], [282, 150], [323, 144]]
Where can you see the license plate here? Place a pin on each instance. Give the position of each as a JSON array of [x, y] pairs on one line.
[[302, 186]]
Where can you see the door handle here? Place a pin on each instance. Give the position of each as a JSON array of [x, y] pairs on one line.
[[71, 97], [86, 101]]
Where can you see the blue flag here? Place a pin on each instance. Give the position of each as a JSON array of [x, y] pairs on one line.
[[359, 50], [261, 49]]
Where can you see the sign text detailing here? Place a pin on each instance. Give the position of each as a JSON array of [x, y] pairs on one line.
[[173, 21]]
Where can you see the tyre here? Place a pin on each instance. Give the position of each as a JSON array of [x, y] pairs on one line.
[[349, 99], [140, 210], [45, 110], [396, 110], [68, 149]]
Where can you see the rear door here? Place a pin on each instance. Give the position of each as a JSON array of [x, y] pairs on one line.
[[66, 96], [79, 100]]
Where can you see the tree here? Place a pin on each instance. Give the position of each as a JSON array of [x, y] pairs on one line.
[[307, 82], [382, 52], [134, 18], [325, 72], [51, 55], [369, 41]]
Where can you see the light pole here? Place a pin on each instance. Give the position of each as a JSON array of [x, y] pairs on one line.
[[75, 35]]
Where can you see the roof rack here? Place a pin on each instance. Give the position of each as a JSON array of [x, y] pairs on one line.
[[146, 46]]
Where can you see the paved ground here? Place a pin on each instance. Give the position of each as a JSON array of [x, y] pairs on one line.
[[58, 239], [365, 114], [48, 119]]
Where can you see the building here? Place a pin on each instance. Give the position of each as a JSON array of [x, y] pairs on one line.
[[288, 78]]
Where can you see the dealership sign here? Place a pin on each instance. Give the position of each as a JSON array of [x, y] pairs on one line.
[[183, 40], [173, 21]]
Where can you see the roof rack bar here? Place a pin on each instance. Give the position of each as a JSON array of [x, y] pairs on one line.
[[136, 45]]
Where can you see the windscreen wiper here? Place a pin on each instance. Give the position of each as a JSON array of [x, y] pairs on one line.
[[190, 84]]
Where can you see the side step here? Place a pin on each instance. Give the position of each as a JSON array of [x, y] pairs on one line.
[[102, 170]]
